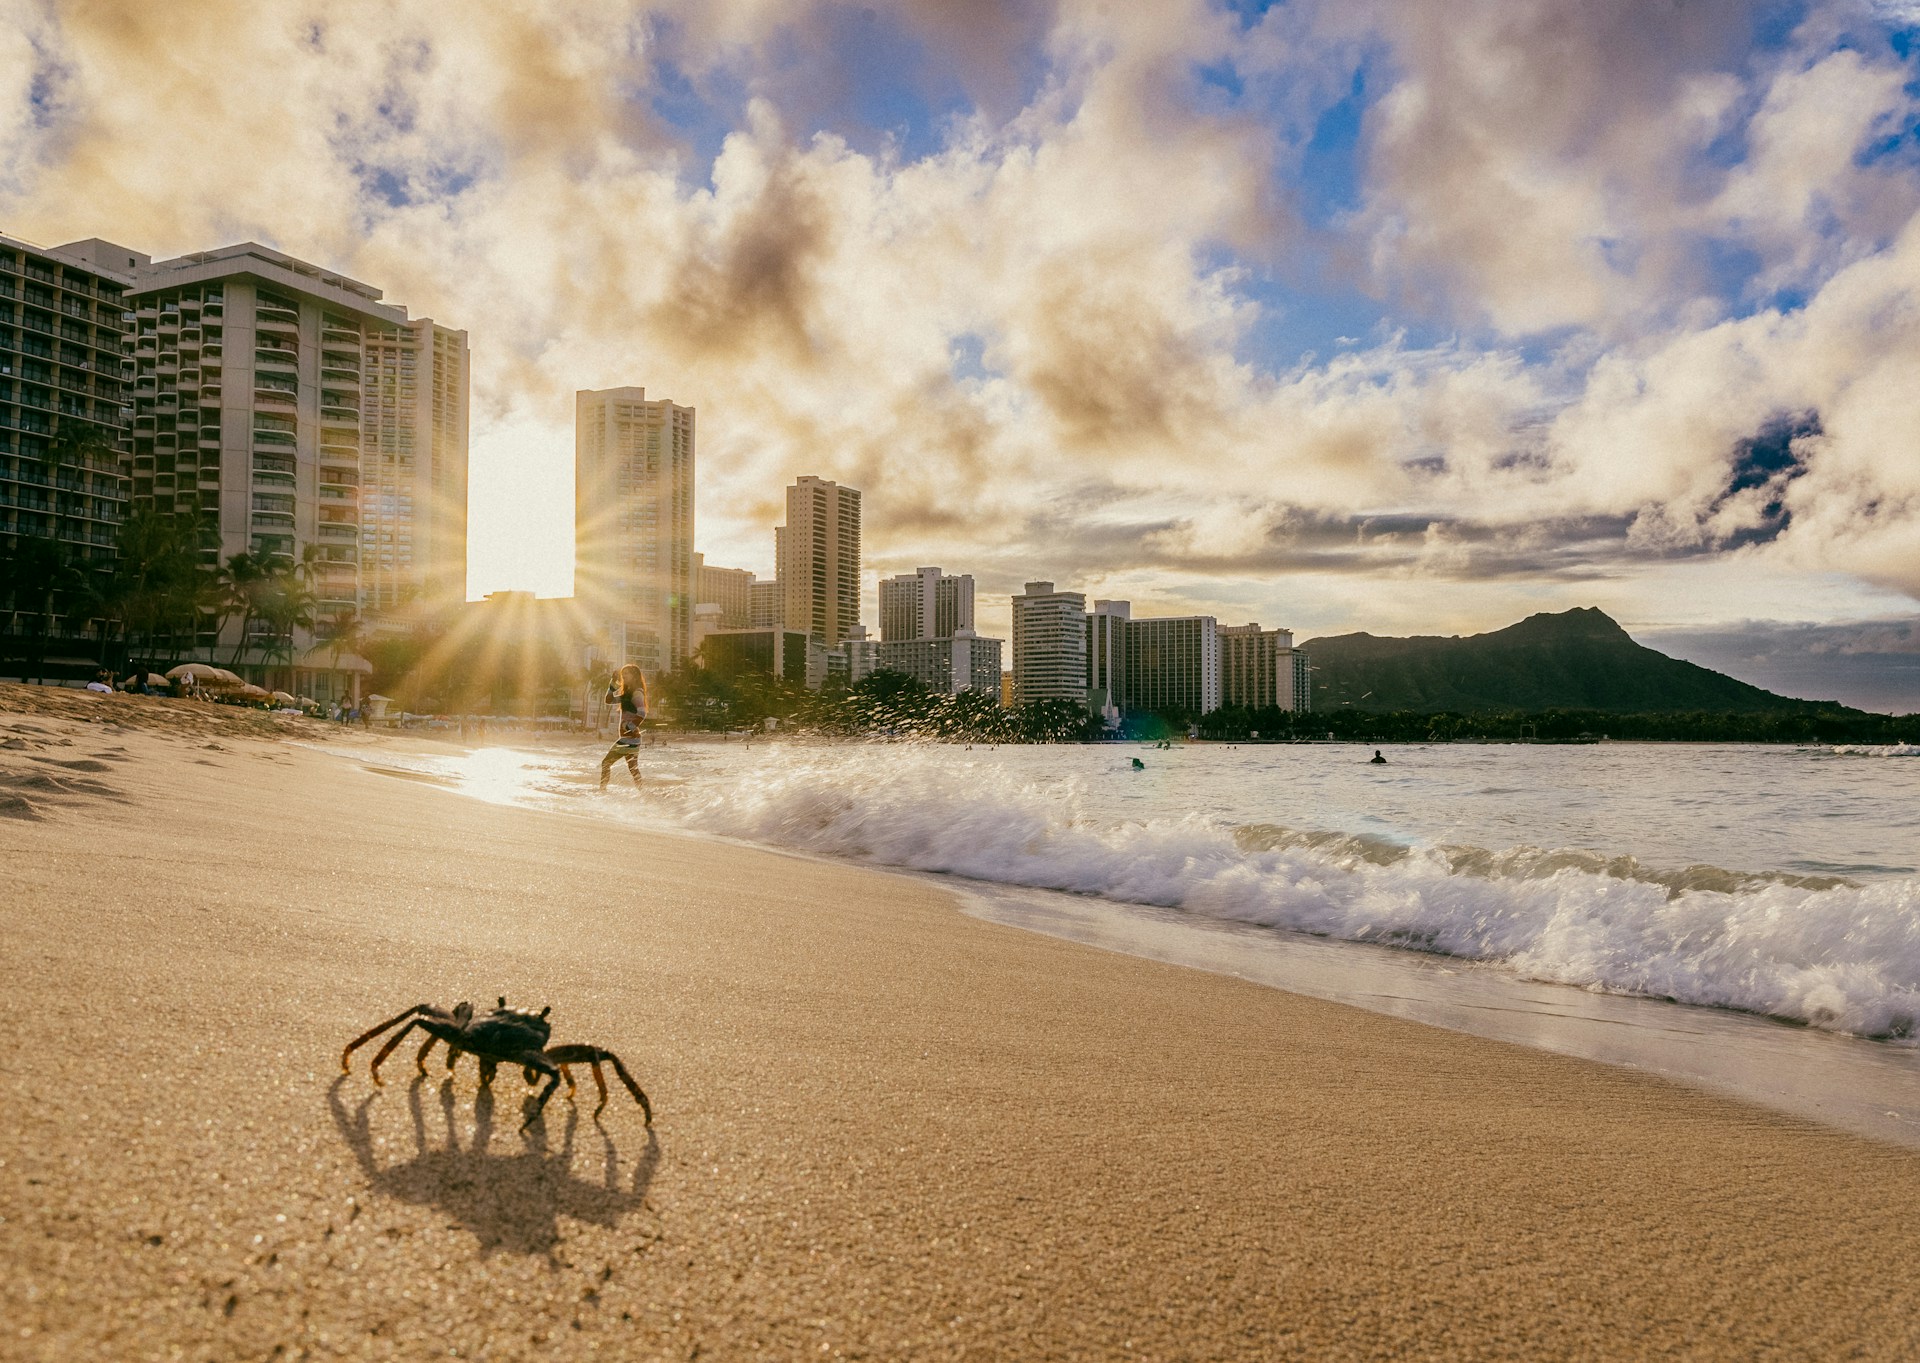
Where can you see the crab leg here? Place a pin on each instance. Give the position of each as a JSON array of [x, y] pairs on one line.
[[593, 1055], [346, 1056], [599, 1082], [534, 1060], [388, 1049], [420, 1057]]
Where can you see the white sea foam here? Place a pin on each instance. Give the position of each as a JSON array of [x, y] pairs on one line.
[[1878, 750], [1829, 953]]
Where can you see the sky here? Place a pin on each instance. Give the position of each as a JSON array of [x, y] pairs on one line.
[[1331, 314]]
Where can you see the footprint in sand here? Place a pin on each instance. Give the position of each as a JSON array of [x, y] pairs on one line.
[[75, 763], [47, 783]]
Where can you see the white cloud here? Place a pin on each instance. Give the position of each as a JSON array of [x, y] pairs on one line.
[[1533, 168]]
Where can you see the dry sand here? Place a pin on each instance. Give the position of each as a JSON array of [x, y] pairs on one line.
[[884, 1129]]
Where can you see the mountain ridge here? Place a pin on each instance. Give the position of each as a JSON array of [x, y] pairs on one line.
[[1578, 659]]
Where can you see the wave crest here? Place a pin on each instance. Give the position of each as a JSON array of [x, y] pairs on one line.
[[1816, 950]]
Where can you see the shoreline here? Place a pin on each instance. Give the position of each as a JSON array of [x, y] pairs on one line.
[[1854, 1084], [883, 1128]]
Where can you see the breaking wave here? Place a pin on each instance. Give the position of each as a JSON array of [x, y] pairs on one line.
[[1823, 951], [1878, 750]]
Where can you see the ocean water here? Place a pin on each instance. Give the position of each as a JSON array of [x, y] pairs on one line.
[[1683, 891]]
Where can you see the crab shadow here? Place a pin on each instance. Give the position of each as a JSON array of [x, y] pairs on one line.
[[511, 1198]]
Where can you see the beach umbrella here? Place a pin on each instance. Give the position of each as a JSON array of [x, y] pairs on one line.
[[248, 691], [284, 698], [205, 674], [155, 679]]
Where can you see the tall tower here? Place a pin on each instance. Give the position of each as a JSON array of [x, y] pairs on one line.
[[1107, 659], [1049, 645], [925, 604], [731, 589], [819, 560], [1260, 668], [263, 410], [633, 523], [413, 466], [61, 332]]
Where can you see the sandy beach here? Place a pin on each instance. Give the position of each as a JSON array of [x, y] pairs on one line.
[[883, 1129]]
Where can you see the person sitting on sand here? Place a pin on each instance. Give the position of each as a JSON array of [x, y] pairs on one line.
[[628, 689]]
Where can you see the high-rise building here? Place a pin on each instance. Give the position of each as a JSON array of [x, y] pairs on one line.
[[1049, 645], [413, 466], [731, 589], [776, 652], [925, 604], [1260, 668], [862, 654], [63, 420], [633, 523], [1107, 659], [819, 560], [962, 662], [766, 604], [1173, 664], [257, 414]]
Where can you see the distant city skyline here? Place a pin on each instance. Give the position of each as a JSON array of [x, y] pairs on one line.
[[1389, 344]]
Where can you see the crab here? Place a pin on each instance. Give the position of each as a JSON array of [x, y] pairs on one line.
[[511, 1036]]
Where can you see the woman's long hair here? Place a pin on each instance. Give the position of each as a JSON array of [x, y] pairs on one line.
[[632, 680]]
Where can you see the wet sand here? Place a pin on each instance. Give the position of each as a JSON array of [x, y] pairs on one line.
[[884, 1129]]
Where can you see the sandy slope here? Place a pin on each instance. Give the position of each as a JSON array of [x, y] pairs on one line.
[[885, 1130]]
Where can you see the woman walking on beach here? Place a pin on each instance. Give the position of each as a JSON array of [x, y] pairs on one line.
[[627, 689]]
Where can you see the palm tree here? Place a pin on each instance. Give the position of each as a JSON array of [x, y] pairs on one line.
[[39, 571], [158, 587], [344, 631], [240, 581], [74, 444], [286, 603]]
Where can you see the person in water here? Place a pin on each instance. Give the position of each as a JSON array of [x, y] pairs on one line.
[[1378, 758], [1138, 765], [627, 688]]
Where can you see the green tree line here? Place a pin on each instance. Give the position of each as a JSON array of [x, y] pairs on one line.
[[158, 600], [1561, 726], [885, 704]]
